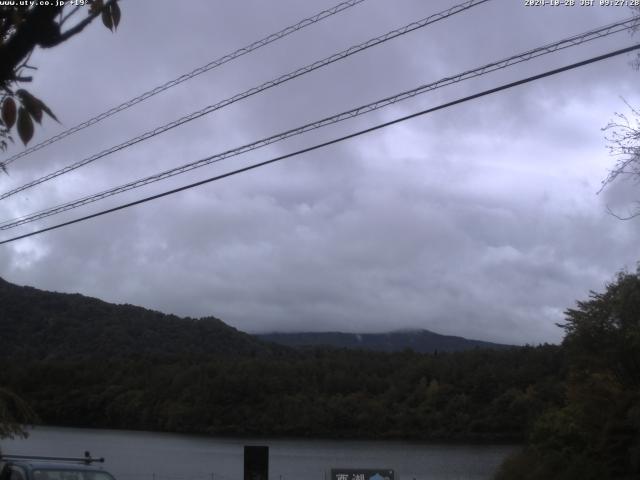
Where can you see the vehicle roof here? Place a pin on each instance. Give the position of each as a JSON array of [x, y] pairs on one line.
[[44, 465]]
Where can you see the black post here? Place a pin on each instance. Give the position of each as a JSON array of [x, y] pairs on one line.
[[256, 463]]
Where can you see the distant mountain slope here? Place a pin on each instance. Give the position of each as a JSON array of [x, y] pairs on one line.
[[421, 341], [36, 324]]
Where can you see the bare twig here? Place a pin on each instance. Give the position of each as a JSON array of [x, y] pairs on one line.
[[623, 141], [620, 217]]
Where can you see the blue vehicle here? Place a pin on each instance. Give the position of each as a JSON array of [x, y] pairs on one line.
[[22, 467]]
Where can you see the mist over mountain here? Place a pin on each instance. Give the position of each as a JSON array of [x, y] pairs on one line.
[[420, 341], [44, 325]]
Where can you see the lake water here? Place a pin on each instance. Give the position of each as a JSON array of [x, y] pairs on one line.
[[159, 456]]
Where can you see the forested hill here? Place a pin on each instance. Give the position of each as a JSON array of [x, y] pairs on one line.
[[82, 362], [39, 325], [420, 341]]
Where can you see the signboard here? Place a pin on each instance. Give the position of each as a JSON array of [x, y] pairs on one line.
[[362, 474]]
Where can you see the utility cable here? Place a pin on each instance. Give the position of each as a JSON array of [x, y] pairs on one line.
[[252, 91], [187, 76], [331, 142], [504, 63]]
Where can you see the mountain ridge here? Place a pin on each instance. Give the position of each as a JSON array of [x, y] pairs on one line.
[[418, 340], [39, 324], [82, 362], [46, 325]]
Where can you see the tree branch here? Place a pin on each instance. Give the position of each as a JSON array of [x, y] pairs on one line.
[[69, 15], [619, 217], [39, 28], [81, 25]]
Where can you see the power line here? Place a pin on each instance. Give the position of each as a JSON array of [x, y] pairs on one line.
[[566, 43], [331, 142], [187, 76], [252, 91], [361, 110]]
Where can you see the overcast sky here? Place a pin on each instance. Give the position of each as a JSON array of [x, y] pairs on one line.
[[481, 220]]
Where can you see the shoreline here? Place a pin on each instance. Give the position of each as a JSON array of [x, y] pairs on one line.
[[448, 441]]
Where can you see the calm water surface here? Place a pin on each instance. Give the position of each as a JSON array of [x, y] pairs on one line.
[[160, 456]]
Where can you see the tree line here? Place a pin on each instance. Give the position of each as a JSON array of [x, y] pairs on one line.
[[594, 434], [483, 395], [575, 406]]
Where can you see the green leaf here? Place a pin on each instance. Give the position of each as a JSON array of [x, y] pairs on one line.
[[31, 103], [107, 19], [115, 14], [25, 125], [48, 111], [9, 112], [35, 106]]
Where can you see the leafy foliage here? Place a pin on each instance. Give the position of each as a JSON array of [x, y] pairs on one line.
[[48, 326], [24, 27], [14, 413], [474, 395], [596, 435]]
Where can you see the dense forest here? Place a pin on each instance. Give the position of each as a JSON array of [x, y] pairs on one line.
[[595, 433], [475, 395], [36, 324], [576, 406], [84, 362]]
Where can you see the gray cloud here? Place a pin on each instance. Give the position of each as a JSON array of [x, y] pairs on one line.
[[480, 220]]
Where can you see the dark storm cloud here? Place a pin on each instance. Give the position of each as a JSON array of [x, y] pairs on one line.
[[480, 220]]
